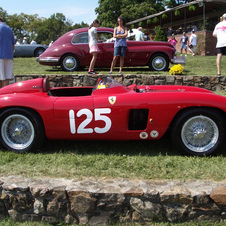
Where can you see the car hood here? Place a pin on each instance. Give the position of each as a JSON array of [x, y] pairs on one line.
[[28, 86], [169, 88]]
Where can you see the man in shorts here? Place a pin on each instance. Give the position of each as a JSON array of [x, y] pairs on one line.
[[220, 33], [184, 43], [7, 43]]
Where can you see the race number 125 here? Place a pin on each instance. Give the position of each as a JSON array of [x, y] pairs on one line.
[[83, 127]]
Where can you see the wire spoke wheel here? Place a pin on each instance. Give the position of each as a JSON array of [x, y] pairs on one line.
[[17, 131], [200, 133]]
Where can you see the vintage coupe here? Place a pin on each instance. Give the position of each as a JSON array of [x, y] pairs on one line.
[[31, 111], [71, 51], [29, 50]]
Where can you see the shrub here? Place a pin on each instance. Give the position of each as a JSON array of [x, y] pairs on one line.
[[176, 70]]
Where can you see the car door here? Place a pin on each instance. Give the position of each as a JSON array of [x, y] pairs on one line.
[[73, 117], [106, 47]]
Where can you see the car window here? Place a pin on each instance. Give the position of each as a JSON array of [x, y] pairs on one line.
[[80, 38], [105, 36]]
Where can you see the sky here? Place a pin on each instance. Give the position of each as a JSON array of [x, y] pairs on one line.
[[74, 10]]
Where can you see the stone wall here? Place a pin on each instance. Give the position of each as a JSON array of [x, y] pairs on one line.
[[101, 202], [213, 83]]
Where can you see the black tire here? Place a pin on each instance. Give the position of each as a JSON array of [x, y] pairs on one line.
[[69, 62], [21, 130], [158, 62], [198, 132], [39, 51]]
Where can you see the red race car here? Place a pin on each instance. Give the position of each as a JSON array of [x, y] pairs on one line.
[[71, 51], [31, 111]]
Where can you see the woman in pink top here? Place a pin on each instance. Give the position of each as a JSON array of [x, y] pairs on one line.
[[173, 41]]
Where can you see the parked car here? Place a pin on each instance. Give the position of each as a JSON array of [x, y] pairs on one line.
[[71, 51], [31, 110], [29, 50]]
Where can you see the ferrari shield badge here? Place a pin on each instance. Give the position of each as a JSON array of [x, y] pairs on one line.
[[112, 99]]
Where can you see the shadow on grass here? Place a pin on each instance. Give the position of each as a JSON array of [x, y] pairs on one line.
[[162, 146], [138, 70], [132, 148]]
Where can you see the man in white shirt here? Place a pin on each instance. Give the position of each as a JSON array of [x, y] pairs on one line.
[[193, 42], [139, 35], [220, 33]]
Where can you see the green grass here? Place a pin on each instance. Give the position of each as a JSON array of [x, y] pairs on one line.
[[10, 222], [198, 65], [98, 159]]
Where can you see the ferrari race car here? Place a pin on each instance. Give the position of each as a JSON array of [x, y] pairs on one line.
[[31, 111]]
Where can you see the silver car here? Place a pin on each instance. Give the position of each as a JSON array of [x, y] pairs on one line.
[[29, 50]]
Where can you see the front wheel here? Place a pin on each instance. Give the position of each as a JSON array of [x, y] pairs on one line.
[[199, 132], [39, 51], [21, 130], [159, 62], [69, 62]]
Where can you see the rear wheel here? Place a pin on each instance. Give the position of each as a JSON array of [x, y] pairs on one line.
[[21, 130], [159, 62], [69, 62], [199, 132]]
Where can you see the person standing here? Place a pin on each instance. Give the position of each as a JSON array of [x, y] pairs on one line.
[[193, 42], [184, 43], [173, 42], [7, 45], [220, 33], [120, 46], [93, 39], [139, 35]]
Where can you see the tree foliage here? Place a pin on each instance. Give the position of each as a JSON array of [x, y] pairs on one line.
[[160, 35], [43, 30], [173, 3], [108, 11]]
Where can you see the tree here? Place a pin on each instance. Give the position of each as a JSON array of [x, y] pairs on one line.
[[24, 25], [43, 30], [108, 11], [173, 3], [52, 28], [160, 35]]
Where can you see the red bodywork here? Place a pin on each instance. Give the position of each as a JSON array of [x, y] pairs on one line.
[[107, 113], [138, 53]]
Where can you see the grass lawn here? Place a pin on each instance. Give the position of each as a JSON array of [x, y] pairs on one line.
[[10, 222], [198, 65]]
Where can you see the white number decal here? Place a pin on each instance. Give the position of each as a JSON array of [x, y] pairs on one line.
[[98, 115], [89, 115], [104, 118], [72, 121]]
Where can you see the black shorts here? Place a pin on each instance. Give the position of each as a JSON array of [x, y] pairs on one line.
[[221, 50]]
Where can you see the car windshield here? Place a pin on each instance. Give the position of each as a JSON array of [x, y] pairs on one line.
[[106, 83]]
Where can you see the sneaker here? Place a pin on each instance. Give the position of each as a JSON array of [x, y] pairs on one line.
[[92, 73], [110, 73], [120, 72], [181, 55], [185, 55]]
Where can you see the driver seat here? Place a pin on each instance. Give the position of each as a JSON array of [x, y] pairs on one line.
[[45, 84]]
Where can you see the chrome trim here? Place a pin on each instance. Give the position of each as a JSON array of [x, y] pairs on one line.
[[47, 60]]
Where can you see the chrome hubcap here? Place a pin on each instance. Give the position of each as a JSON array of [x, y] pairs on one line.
[[158, 63], [200, 133], [17, 131], [70, 63]]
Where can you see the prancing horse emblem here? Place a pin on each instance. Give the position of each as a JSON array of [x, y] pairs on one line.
[[112, 99]]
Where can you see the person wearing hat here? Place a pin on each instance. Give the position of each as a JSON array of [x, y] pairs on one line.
[[7, 43], [220, 33], [139, 35]]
